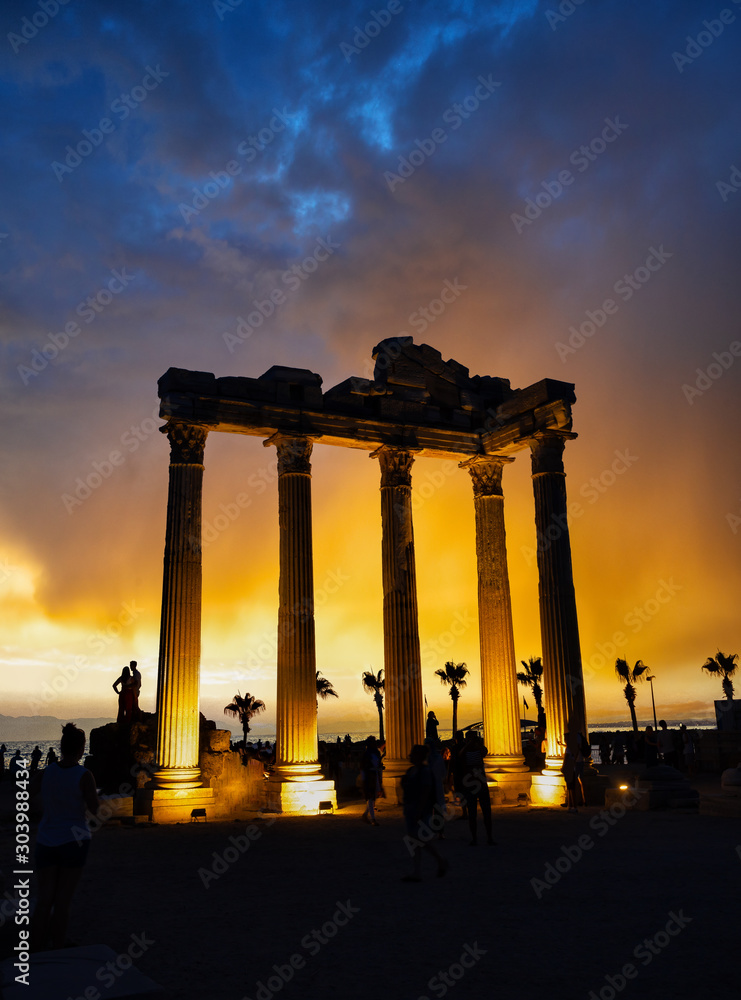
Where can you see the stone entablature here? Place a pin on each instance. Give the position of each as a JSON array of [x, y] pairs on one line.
[[415, 400]]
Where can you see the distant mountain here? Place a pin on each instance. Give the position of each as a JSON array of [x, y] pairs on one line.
[[41, 727]]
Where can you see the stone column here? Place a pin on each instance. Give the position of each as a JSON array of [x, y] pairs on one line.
[[563, 685], [180, 628], [404, 706], [296, 757], [500, 700]]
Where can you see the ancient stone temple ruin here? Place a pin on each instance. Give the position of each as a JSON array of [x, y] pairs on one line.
[[416, 405]]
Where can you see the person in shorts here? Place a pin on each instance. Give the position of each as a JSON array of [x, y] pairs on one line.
[[67, 792]]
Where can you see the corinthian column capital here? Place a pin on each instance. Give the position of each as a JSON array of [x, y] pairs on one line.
[[294, 453], [486, 474], [187, 442], [396, 465], [546, 448]]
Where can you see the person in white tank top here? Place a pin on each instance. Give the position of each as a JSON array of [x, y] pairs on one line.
[[63, 838]]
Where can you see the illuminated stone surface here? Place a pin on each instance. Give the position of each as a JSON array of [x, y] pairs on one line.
[[563, 685], [297, 754], [403, 673], [180, 630], [500, 700]]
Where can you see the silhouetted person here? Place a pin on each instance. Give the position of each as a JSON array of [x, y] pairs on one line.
[[474, 784], [63, 838], [136, 678], [124, 686], [436, 765], [576, 752], [665, 739], [51, 757], [651, 747], [36, 756], [458, 769], [419, 800], [15, 764], [431, 727], [3, 751], [370, 769]]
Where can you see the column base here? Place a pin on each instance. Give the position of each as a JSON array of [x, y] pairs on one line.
[[548, 789], [509, 763], [167, 805], [295, 797], [177, 777], [298, 772], [511, 785], [393, 771]]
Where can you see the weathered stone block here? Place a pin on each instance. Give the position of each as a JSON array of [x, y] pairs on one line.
[[218, 740]]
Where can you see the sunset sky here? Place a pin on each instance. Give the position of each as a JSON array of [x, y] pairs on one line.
[[573, 171]]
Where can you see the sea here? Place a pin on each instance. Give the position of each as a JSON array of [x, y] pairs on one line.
[[358, 735]]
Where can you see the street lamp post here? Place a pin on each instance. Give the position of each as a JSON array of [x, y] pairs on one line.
[[650, 678]]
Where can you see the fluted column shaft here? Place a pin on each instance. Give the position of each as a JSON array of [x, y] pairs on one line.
[[180, 628], [296, 725], [403, 674], [563, 686], [499, 695]]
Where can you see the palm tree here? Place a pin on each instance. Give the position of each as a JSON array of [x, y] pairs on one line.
[[454, 676], [324, 688], [630, 677], [374, 684], [531, 677], [243, 709], [725, 665]]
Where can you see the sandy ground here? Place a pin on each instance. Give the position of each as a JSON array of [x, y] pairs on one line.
[[383, 938]]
